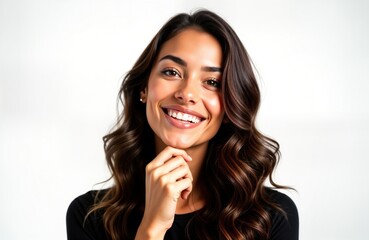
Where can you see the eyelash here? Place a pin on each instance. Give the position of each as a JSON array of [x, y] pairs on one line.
[[171, 72], [213, 82]]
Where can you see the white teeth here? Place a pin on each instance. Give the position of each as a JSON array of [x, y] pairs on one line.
[[183, 116]]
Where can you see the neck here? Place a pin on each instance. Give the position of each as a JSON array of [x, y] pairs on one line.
[[198, 155]]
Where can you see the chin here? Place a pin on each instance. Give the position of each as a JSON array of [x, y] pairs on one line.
[[178, 143]]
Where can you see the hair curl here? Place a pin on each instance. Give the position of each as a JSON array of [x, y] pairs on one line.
[[239, 160]]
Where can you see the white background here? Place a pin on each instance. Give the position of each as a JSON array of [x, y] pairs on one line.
[[61, 63]]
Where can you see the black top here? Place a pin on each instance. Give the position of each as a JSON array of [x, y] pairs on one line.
[[79, 228]]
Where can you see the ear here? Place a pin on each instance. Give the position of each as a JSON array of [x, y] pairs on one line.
[[143, 96]]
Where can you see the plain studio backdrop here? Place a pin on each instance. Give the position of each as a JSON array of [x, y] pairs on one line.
[[61, 64]]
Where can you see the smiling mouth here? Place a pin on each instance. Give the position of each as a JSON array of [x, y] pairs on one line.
[[185, 117]]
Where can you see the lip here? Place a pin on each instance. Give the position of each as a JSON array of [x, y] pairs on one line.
[[184, 110], [182, 124]]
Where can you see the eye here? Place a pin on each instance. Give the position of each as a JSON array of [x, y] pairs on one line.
[[213, 83], [171, 72]]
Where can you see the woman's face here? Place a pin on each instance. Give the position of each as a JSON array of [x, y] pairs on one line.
[[183, 99]]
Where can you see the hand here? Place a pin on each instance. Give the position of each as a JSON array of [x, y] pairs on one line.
[[168, 177]]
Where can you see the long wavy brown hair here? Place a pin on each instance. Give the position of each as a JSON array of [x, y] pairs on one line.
[[239, 159]]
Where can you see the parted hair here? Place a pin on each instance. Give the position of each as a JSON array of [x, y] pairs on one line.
[[239, 159]]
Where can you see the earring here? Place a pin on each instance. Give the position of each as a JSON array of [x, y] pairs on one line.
[[141, 100]]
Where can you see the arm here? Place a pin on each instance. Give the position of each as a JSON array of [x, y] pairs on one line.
[[168, 177]]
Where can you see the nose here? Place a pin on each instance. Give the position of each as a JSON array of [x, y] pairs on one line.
[[188, 92]]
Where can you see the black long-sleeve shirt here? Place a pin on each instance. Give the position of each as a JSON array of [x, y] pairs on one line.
[[80, 228]]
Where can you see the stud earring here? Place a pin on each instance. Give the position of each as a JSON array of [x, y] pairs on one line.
[[141, 99]]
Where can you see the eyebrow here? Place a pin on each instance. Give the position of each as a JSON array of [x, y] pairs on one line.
[[183, 63], [174, 59], [212, 69]]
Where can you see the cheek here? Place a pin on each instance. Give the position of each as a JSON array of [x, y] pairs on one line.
[[158, 89], [152, 92], [215, 106]]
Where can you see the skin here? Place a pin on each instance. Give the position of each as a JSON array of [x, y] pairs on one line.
[[185, 78]]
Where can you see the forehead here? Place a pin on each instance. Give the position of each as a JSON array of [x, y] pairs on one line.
[[193, 45]]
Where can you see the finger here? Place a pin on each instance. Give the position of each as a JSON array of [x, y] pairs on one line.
[[168, 167], [172, 164], [177, 174], [186, 186], [185, 193], [166, 155], [174, 190], [183, 181]]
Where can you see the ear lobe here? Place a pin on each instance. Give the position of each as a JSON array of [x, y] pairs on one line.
[[143, 96]]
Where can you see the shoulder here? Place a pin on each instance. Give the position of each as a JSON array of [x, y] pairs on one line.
[[284, 201], [82, 204], [285, 223], [80, 225]]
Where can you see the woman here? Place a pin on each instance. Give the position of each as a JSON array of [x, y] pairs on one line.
[[185, 156]]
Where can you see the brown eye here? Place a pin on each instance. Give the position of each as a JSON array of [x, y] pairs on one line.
[[213, 83], [171, 73]]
